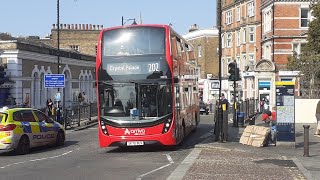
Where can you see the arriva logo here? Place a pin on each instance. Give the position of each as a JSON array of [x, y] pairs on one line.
[[135, 132]]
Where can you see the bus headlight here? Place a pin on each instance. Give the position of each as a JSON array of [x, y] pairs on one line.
[[103, 127], [167, 125]]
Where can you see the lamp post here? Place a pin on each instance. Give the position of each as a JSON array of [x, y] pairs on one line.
[[124, 21], [58, 111], [219, 123]]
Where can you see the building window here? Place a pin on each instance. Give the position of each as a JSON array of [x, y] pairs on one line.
[[222, 41], [251, 34], [251, 57], [75, 47], [251, 9], [305, 17], [199, 51], [267, 21], [238, 38], [238, 14], [244, 58], [296, 48], [229, 17], [229, 40], [238, 62], [267, 52], [244, 35]]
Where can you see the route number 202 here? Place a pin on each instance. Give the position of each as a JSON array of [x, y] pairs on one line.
[[153, 67]]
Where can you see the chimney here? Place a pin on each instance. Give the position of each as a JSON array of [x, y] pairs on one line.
[[193, 27], [53, 26]]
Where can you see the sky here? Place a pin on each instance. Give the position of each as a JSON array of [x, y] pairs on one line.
[[35, 17]]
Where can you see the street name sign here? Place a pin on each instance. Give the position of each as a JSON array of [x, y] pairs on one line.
[[54, 81]]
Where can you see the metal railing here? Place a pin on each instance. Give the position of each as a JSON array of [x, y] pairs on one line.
[[77, 113], [249, 107]]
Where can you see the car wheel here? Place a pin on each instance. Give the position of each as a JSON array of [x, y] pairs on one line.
[[60, 139], [23, 146]]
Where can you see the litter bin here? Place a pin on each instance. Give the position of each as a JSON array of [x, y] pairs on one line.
[[240, 118]]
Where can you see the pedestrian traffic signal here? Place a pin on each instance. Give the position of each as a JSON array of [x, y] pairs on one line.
[[2, 75], [234, 72]]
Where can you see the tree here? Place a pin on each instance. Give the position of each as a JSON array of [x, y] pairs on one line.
[[308, 62]]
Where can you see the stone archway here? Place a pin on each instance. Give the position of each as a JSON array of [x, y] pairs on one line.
[[264, 65]]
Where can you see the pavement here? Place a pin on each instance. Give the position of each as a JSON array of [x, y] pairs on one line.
[[232, 160]]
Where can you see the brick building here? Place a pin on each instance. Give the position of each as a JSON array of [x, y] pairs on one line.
[[26, 63], [260, 35], [82, 38], [241, 34], [205, 43]]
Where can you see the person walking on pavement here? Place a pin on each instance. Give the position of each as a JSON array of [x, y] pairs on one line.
[[224, 103], [317, 133], [50, 107]]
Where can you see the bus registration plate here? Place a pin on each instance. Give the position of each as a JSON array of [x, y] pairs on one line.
[[134, 143]]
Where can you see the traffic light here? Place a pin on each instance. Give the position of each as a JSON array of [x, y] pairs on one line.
[[234, 72], [2, 75]]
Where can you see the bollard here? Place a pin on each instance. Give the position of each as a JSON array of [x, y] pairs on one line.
[[306, 140], [90, 113], [79, 115]]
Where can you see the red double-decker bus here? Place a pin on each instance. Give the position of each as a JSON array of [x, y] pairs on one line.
[[146, 86]]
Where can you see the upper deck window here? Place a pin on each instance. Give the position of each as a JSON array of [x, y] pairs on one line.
[[134, 41]]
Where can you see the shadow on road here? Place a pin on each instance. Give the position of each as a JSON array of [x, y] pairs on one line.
[[41, 149]]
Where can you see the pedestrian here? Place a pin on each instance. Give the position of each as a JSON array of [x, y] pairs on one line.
[[50, 107], [80, 98], [224, 103], [262, 105], [270, 119], [317, 133]]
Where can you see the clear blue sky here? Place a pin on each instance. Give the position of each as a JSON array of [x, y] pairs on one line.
[[35, 17]]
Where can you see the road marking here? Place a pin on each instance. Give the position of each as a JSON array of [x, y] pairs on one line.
[[181, 170], [169, 159], [139, 178], [33, 160]]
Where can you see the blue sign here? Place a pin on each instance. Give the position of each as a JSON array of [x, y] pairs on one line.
[[54, 81], [264, 84]]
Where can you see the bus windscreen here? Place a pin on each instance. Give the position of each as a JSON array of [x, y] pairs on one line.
[[134, 41]]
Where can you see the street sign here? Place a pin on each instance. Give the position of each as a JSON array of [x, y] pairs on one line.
[[215, 84], [285, 112], [54, 81]]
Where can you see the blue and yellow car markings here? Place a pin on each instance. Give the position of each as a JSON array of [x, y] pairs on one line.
[[26, 127]]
